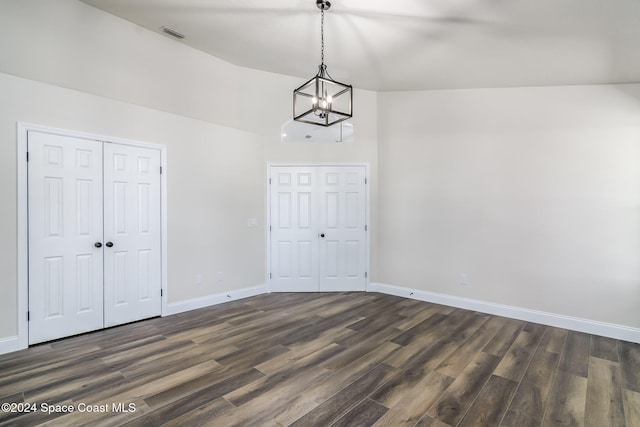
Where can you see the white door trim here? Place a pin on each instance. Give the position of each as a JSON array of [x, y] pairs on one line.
[[22, 130], [318, 164]]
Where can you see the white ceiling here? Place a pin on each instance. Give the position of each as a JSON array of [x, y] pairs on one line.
[[411, 44]]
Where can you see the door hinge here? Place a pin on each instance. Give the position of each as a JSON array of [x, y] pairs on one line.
[[270, 229], [270, 275], [28, 316], [160, 170], [365, 181], [366, 274], [27, 156], [161, 292], [269, 180], [366, 228]]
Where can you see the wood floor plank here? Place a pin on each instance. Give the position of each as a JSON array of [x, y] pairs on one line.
[[399, 386], [457, 361], [518, 419], [316, 393], [419, 344], [266, 404], [530, 400], [409, 410], [334, 408], [527, 406], [166, 388], [542, 368], [436, 354], [73, 390], [427, 421], [630, 365], [155, 349], [457, 398], [516, 360], [289, 401], [413, 308], [604, 394], [382, 323], [554, 340], [166, 364], [411, 321], [201, 415], [604, 348], [491, 404], [274, 380], [567, 402], [196, 399], [356, 352], [365, 414], [631, 401], [303, 350], [323, 359], [454, 320], [504, 338], [575, 359]]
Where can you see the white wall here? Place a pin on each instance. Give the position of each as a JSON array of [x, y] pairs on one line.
[[67, 65], [534, 193], [215, 182]]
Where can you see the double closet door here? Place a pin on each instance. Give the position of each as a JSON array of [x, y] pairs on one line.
[[94, 235], [318, 233]]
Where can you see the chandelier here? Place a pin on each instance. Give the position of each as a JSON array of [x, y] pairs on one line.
[[321, 100]]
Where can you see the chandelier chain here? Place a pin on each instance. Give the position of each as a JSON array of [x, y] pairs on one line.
[[322, 37]]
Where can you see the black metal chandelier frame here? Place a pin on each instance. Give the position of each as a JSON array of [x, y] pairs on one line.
[[322, 100]]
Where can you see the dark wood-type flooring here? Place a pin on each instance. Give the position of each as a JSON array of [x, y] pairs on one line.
[[331, 359]]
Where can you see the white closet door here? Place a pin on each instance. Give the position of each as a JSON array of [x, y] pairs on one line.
[[294, 235], [65, 228], [132, 282], [318, 235], [342, 258]]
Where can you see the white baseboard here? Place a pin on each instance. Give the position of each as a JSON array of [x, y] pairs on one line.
[[9, 344], [610, 330], [209, 300]]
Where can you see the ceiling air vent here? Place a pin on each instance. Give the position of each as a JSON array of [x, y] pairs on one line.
[[172, 33]]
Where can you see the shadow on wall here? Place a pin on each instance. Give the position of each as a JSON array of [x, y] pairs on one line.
[[633, 91]]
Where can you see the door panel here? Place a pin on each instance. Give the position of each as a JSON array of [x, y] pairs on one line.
[[132, 224], [293, 244], [318, 236], [342, 221], [65, 222]]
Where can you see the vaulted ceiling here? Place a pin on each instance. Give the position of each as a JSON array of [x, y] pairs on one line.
[[411, 44]]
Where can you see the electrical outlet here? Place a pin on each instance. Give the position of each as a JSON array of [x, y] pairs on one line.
[[220, 276], [464, 279], [198, 279]]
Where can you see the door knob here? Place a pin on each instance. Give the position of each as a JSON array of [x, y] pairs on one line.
[[322, 235], [109, 244], [97, 244]]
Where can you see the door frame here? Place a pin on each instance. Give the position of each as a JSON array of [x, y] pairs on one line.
[[271, 165], [22, 130]]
